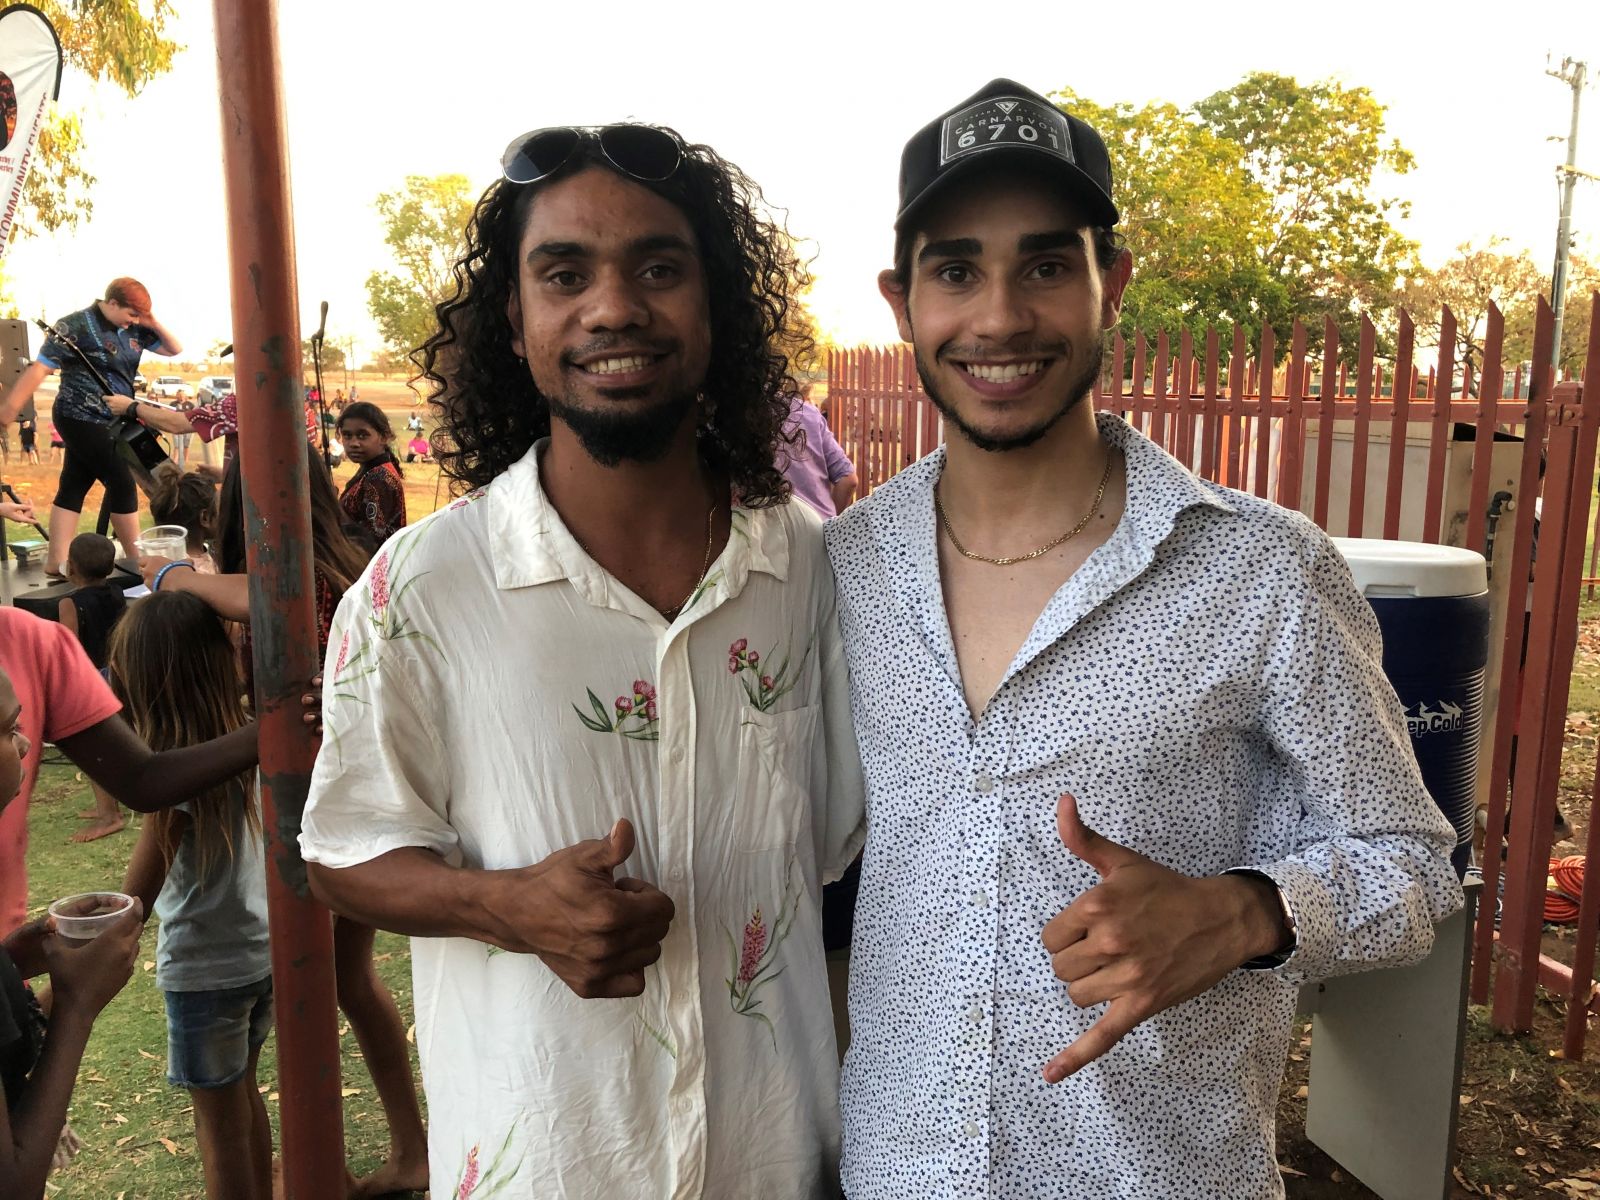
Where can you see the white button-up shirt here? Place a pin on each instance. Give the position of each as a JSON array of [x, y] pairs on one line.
[[1209, 686], [493, 695]]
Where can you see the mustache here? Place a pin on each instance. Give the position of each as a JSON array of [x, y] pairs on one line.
[[618, 346], [1052, 349]]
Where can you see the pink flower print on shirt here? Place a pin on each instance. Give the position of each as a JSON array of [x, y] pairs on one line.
[[386, 588], [344, 653], [755, 944], [632, 717], [479, 1184], [471, 497], [469, 1177], [380, 586], [754, 961], [763, 688]]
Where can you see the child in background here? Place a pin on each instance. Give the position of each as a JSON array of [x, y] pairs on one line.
[[91, 612], [37, 1070], [96, 605], [56, 445], [188, 499], [375, 498], [202, 866]]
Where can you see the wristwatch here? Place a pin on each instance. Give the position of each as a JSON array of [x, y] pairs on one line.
[[133, 409]]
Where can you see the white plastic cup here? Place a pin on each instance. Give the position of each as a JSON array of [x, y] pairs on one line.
[[84, 917], [164, 541]]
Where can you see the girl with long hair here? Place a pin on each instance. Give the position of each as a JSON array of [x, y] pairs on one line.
[[202, 866], [375, 498], [337, 562]]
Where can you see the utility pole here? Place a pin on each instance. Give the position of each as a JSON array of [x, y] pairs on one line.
[[1572, 74]]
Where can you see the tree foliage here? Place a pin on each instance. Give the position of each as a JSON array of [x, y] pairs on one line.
[[332, 357], [1259, 204], [118, 42], [424, 227], [1468, 284], [1190, 216], [1478, 276]]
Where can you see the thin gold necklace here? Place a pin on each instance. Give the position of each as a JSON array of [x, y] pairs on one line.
[[671, 614], [944, 520]]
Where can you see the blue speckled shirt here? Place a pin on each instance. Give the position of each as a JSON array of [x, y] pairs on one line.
[[1209, 685], [115, 352]]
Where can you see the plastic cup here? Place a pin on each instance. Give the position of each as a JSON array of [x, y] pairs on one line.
[[84, 917], [164, 541]]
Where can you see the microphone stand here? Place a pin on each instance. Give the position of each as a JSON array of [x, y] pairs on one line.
[[322, 395]]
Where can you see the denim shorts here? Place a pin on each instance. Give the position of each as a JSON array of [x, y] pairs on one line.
[[211, 1035]]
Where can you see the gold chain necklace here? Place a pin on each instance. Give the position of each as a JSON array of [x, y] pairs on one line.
[[671, 614], [944, 520]]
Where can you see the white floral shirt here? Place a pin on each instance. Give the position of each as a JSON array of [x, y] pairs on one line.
[[493, 695], [1209, 685]]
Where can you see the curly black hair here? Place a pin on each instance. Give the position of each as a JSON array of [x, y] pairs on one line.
[[489, 410]]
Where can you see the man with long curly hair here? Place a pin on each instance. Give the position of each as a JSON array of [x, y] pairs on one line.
[[595, 712]]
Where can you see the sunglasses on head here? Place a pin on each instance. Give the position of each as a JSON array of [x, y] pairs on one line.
[[642, 151]]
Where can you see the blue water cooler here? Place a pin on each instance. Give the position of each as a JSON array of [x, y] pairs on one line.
[[1432, 604]]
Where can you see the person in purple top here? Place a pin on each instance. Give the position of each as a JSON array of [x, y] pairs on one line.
[[813, 462]]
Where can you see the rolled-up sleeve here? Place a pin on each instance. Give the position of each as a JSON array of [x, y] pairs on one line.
[[379, 783], [1370, 874]]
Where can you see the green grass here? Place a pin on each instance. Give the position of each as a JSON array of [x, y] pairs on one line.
[[122, 1106]]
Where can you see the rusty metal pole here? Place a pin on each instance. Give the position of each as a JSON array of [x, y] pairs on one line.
[[267, 374]]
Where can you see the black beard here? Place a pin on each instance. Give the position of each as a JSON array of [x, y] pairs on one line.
[[1080, 385], [611, 435]]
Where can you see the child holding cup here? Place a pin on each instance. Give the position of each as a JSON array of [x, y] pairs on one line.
[[39, 1062]]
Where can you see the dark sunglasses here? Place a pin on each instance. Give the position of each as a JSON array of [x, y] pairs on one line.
[[642, 151]]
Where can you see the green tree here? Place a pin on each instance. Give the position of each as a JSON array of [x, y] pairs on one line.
[[332, 357], [1583, 281], [1192, 219], [1318, 150], [118, 42], [1469, 283], [1256, 205], [424, 225]]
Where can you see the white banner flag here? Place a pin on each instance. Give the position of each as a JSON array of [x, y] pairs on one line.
[[30, 78]]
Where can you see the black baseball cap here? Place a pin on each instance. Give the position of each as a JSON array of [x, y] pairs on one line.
[[1006, 123]]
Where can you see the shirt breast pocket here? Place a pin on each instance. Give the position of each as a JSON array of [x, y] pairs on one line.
[[774, 782]]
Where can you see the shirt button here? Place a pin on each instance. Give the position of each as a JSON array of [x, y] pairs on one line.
[[983, 784], [970, 1129], [975, 1013], [980, 899], [677, 872], [677, 754]]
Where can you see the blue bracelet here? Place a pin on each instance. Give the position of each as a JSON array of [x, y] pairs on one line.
[[155, 584]]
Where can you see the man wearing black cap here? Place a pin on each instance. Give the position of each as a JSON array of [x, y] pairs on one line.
[[1104, 706]]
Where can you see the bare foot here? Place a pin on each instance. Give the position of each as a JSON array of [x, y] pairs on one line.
[[101, 829], [393, 1178]]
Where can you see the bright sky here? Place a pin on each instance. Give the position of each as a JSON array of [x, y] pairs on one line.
[[813, 100]]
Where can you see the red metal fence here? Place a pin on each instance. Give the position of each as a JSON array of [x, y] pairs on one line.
[[1443, 458]]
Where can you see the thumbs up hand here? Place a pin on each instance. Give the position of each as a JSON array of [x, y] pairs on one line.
[[1146, 938], [596, 932]]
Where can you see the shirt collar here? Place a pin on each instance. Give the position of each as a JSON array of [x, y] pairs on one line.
[[530, 545], [1160, 488]]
